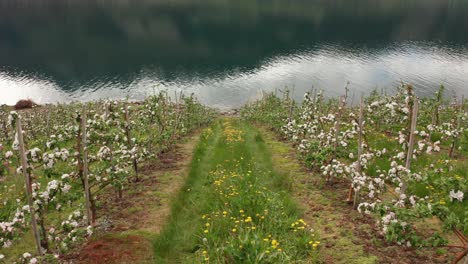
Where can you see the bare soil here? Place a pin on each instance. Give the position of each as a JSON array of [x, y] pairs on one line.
[[126, 226], [346, 235]]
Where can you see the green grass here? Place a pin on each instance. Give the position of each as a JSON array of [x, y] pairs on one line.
[[308, 189], [153, 129], [231, 182]]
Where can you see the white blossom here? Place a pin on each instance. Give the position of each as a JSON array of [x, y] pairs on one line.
[[456, 195]]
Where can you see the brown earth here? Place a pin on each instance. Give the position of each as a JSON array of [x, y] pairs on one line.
[[346, 236], [126, 249], [126, 227]]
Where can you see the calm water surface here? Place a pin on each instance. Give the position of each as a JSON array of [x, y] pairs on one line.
[[226, 52]]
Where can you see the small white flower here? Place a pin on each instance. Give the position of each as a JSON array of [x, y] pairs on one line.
[[66, 188], [456, 195], [401, 155]]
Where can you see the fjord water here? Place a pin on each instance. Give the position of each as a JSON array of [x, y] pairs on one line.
[[226, 52]]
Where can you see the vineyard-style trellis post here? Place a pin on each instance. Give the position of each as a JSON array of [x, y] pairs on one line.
[[28, 124], [437, 103], [178, 113], [409, 106], [84, 149], [291, 106], [359, 166], [4, 124], [48, 123], [107, 110], [314, 103], [5, 130], [318, 98], [129, 141], [341, 109], [27, 180], [409, 155]]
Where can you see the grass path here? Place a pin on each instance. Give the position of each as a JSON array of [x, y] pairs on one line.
[[234, 208], [138, 218], [323, 208], [347, 236], [237, 194]]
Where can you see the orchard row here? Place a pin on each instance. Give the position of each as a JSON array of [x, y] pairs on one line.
[[56, 161], [403, 157]]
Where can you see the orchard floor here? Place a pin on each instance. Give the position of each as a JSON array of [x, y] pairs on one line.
[[162, 218], [127, 227]]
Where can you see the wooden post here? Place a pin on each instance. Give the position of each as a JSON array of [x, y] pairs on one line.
[[178, 116], [317, 101], [409, 155], [29, 124], [341, 106], [84, 150], [291, 106], [48, 122], [27, 180], [435, 114], [5, 130], [462, 102], [129, 141], [359, 167], [409, 92], [414, 117], [346, 92], [107, 110], [290, 110], [314, 100]]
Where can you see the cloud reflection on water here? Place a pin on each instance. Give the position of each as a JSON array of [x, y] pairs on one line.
[[328, 68]]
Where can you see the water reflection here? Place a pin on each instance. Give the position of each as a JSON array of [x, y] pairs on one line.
[[226, 52]]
